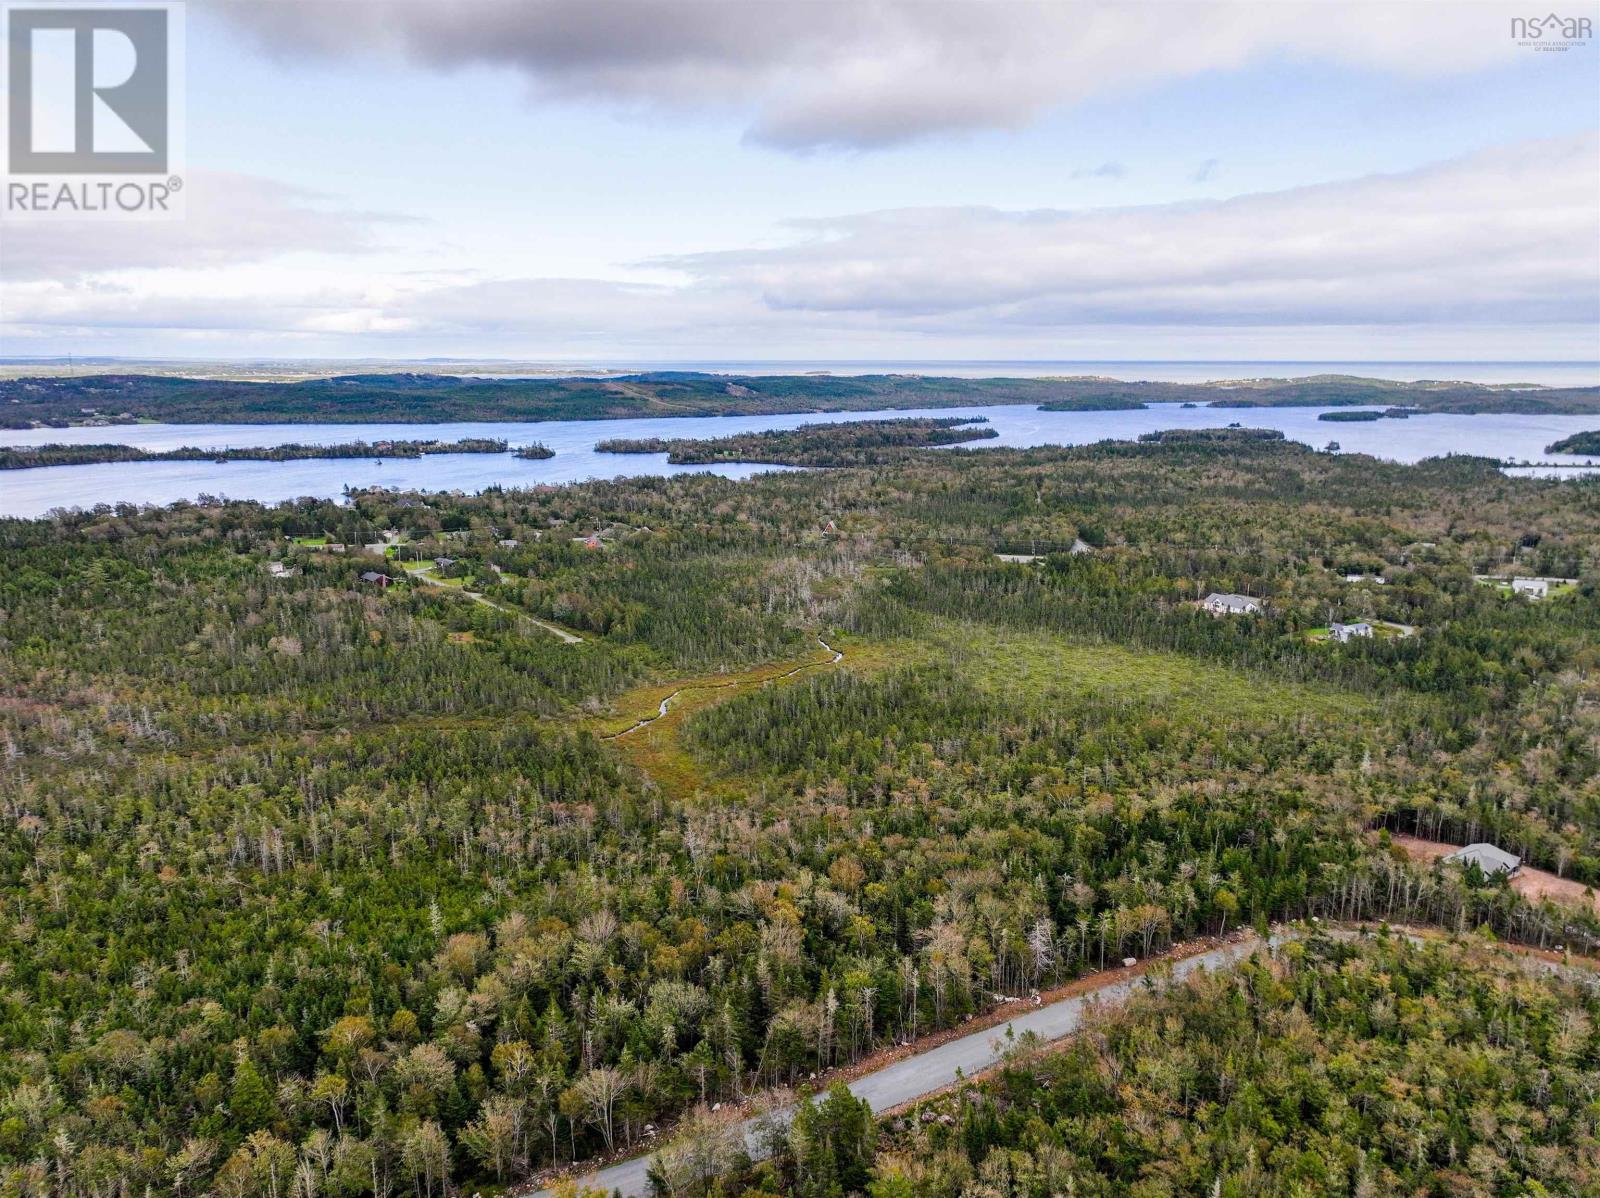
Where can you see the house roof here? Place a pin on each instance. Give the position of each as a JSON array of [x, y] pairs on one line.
[[1487, 857], [372, 576], [1228, 599]]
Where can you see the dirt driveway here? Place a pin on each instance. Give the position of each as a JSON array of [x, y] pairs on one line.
[[1534, 884]]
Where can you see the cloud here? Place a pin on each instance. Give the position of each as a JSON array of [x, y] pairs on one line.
[[1505, 242], [230, 218], [863, 74], [1106, 170], [1205, 171], [1507, 235]]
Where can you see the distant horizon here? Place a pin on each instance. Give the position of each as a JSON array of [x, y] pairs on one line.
[[1547, 372]]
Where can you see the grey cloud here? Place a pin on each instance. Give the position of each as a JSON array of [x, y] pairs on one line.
[[861, 74], [1502, 240], [1204, 172], [1512, 235]]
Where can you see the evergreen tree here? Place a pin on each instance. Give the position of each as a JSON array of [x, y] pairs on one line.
[[250, 1101]]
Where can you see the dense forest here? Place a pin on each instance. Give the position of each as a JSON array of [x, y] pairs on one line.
[[850, 443], [28, 457], [424, 398], [1333, 1068], [311, 886]]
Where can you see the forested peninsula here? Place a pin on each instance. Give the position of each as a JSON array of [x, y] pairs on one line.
[[1586, 442], [850, 443], [28, 457]]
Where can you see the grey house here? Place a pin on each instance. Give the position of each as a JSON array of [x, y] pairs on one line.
[[1487, 857], [1224, 604], [1343, 632]]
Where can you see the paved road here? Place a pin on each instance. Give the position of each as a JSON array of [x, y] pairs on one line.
[[915, 1077]]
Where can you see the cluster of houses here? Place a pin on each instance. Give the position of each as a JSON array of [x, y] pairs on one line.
[[1225, 603], [391, 538]]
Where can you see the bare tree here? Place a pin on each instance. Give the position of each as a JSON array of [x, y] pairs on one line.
[[599, 1090]]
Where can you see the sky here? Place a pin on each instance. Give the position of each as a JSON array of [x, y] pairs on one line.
[[599, 181]]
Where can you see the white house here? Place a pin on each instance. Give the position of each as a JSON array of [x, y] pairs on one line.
[[1222, 604], [1533, 588], [1343, 632]]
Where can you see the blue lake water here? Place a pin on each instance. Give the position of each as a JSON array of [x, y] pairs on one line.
[[35, 492]]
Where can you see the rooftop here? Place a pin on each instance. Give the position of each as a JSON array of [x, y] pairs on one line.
[[1487, 857]]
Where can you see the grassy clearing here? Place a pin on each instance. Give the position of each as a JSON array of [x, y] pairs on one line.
[[655, 749], [1036, 666], [1025, 666]]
